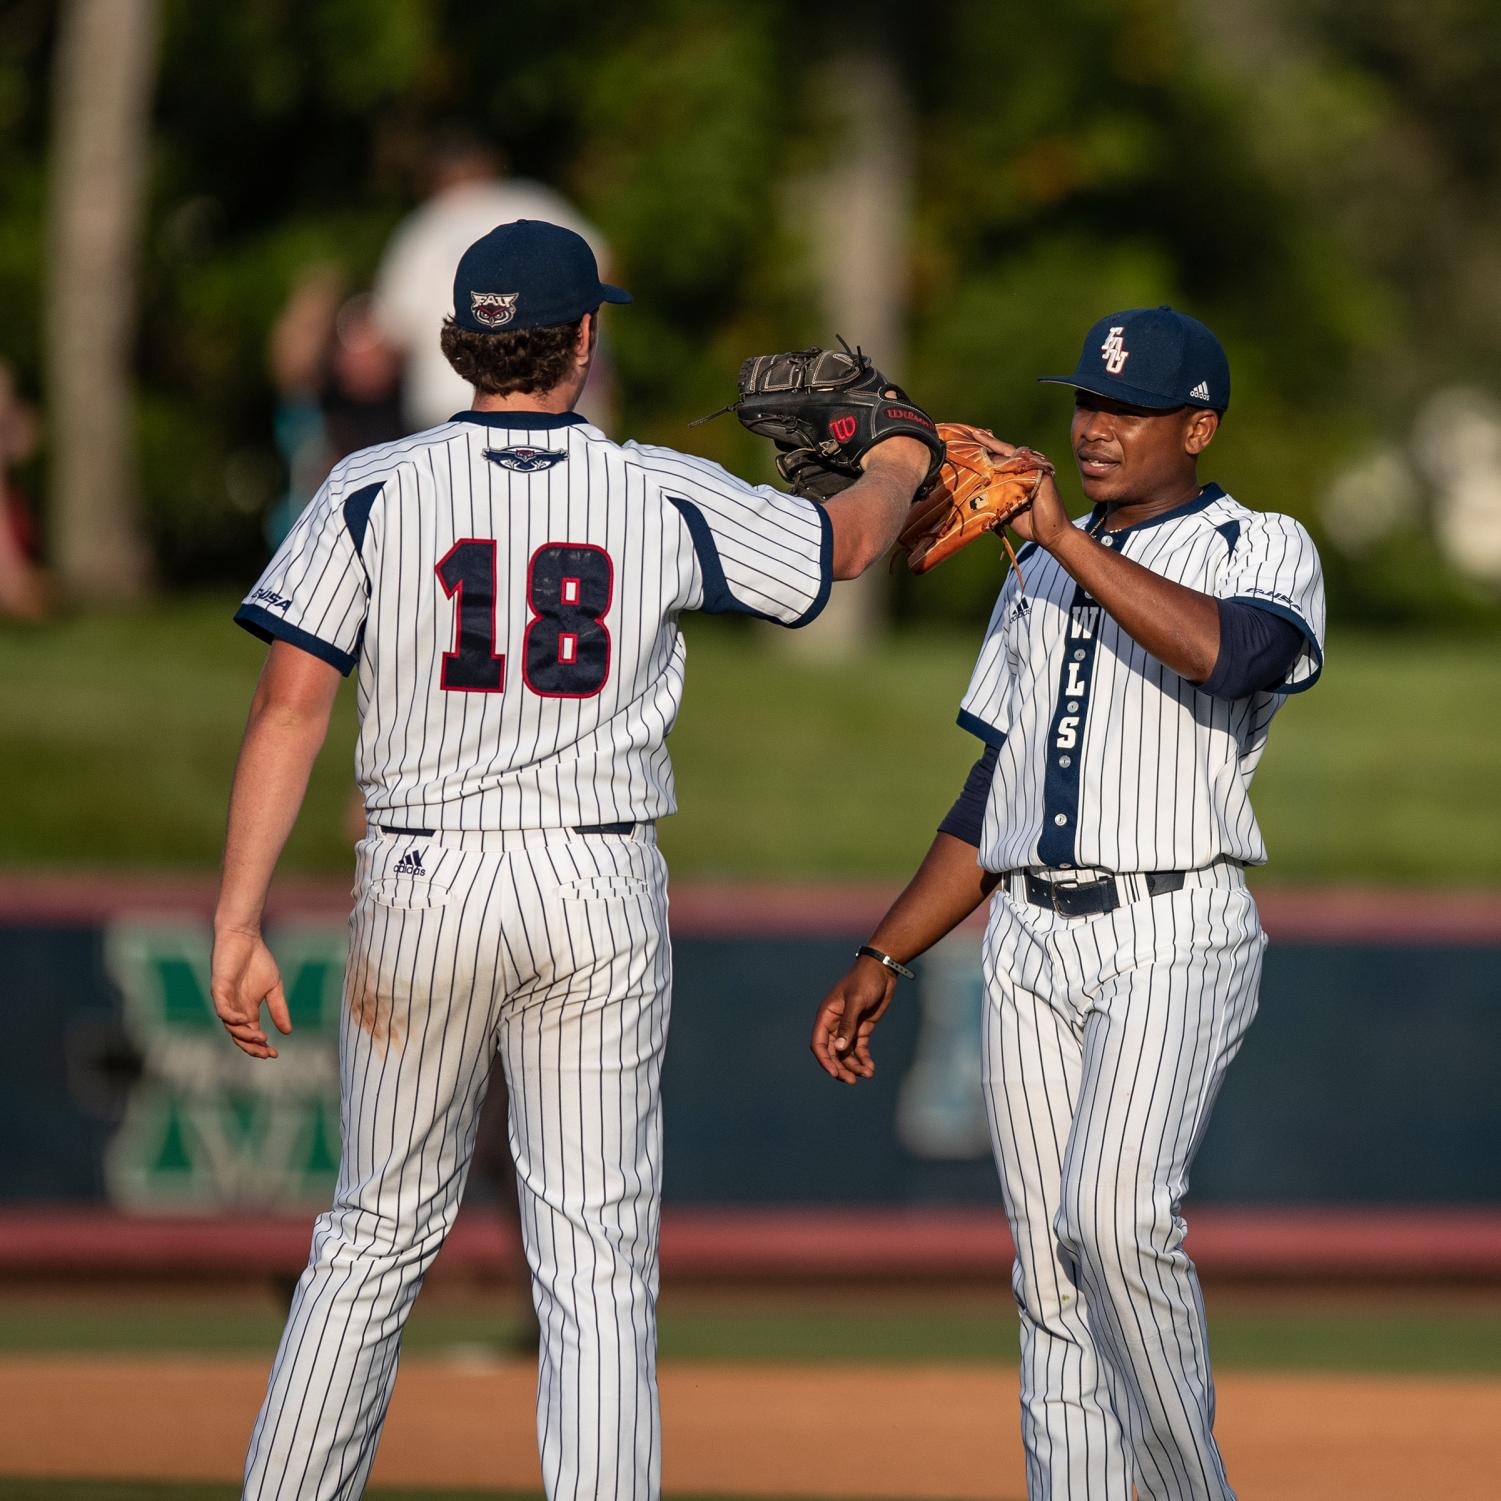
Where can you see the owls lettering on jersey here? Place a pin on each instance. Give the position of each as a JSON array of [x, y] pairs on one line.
[[1108, 758], [515, 624]]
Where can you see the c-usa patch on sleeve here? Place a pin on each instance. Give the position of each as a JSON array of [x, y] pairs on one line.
[[526, 460]]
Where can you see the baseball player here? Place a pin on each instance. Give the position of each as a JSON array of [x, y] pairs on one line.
[[508, 585], [1123, 702]]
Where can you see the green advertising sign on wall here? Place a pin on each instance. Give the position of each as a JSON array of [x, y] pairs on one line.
[[205, 1127]]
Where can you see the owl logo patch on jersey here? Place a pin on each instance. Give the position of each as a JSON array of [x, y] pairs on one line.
[[1115, 351], [493, 309], [525, 460]]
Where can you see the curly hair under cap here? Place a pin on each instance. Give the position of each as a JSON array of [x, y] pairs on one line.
[[506, 362]]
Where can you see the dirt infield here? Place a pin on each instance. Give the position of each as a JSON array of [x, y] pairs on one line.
[[921, 1431]]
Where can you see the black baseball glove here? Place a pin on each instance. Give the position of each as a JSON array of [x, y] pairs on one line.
[[825, 409]]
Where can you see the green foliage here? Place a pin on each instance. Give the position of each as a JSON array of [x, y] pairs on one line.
[[1318, 181]]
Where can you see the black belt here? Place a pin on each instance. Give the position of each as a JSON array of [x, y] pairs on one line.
[[583, 828], [1090, 898]]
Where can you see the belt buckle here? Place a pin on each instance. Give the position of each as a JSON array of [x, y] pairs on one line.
[[1099, 886], [1054, 887]]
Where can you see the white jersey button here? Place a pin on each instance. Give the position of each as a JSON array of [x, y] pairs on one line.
[[1060, 819]]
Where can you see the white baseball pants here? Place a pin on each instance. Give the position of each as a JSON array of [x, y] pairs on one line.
[[553, 948], [1106, 1040]]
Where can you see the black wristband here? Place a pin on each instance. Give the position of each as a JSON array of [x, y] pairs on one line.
[[866, 952]]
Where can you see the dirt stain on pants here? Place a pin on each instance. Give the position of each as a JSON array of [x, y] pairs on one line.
[[373, 998]]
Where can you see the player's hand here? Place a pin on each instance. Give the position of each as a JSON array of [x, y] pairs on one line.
[[1046, 520], [847, 1017], [243, 976]]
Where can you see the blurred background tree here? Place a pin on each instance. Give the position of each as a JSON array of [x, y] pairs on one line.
[[1318, 182]]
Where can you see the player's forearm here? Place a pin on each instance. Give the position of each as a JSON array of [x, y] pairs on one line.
[[867, 517], [1177, 625], [948, 886], [276, 759]]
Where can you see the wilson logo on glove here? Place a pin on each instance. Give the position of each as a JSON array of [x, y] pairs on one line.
[[842, 428], [908, 414]]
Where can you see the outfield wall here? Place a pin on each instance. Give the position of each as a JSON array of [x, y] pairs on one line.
[[1367, 1079]]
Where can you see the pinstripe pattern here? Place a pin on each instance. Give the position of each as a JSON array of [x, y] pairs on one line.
[[1144, 771], [1107, 1037], [552, 949], [1105, 1045], [507, 929], [681, 534]]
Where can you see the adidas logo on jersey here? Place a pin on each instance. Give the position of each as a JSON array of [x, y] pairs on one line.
[[1200, 392], [525, 460], [410, 864]]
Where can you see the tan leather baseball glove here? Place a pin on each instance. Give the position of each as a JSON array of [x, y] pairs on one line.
[[976, 491]]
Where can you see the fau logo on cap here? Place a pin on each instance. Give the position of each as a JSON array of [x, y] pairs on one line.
[[525, 460], [493, 309], [1115, 352]]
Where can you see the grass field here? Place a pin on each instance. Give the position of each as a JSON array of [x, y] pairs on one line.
[[1413, 1333], [122, 732]]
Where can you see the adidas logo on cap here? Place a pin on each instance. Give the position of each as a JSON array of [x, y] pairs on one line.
[[1200, 392]]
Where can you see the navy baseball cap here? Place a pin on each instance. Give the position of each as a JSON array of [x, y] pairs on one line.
[[528, 274], [1152, 357]]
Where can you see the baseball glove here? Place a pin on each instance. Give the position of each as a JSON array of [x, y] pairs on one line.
[[976, 492], [825, 409]]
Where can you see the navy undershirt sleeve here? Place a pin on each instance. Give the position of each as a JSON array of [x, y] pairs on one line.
[[1257, 651], [967, 817]]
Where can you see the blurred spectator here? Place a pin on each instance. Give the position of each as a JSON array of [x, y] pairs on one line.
[[338, 384], [466, 196], [24, 593]]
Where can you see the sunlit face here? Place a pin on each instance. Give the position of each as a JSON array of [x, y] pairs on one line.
[[1128, 453]]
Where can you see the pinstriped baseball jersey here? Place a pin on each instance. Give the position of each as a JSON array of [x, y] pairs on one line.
[[509, 585], [1107, 758]]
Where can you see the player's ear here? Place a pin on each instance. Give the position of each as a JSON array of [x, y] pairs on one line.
[[588, 336], [1200, 430]]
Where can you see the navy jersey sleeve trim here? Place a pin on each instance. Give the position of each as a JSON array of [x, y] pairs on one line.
[[718, 597], [977, 727], [825, 570], [1304, 629], [1257, 651], [357, 513], [268, 627], [966, 819]]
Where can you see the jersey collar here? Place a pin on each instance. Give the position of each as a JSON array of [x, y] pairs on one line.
[[1206, 497], [520, 419]]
